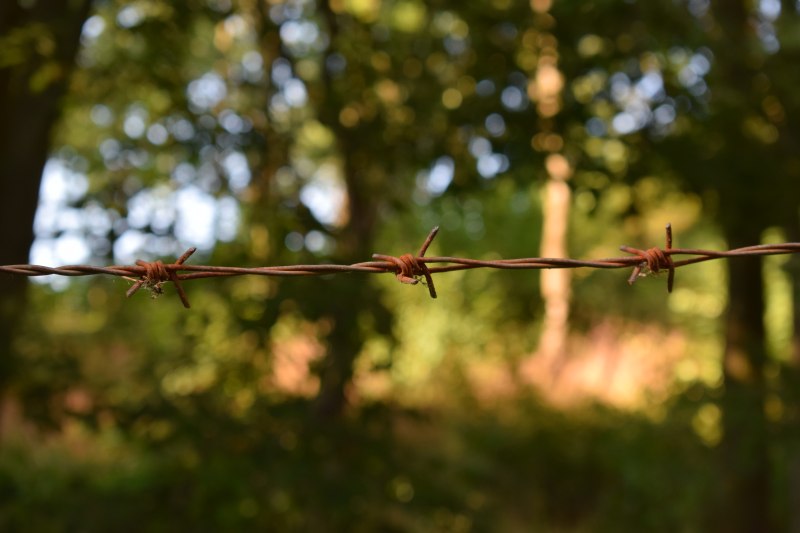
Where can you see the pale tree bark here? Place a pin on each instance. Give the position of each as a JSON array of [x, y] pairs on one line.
[[555, 283], [545, 90]]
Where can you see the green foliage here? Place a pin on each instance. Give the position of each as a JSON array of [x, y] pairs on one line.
[[387, 469]]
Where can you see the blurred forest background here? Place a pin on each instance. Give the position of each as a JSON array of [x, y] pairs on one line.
[[270, 132]]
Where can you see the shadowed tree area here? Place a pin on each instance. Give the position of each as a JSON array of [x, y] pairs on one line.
[[269, 132]]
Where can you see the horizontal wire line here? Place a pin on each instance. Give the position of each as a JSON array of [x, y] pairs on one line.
[[408, 268]]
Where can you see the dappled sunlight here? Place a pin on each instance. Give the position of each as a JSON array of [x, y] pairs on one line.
[[291, 373], [74, 448], [618, 364], [295, 348], [631, 366], [493, 382]]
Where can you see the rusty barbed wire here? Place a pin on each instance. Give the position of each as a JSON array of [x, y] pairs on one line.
[[408, 268]]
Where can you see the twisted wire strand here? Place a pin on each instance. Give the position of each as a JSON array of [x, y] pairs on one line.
[[408, 268]]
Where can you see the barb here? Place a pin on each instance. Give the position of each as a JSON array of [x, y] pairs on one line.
[[655, 260], [408, 268], [156, 273]]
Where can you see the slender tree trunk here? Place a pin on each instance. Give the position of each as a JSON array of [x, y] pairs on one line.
[[354, 295], [793, 269], [344, 342], [744, 213], [745, 479], [546, 88], [30, 95], [363, 179], [555, 282]]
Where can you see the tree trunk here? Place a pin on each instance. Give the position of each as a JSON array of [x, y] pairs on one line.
[[46, 38], [546, 88], [745, 211], [745, 479], [364, 178], [354, 294], [344, 342], [555, 283], [793, 270]]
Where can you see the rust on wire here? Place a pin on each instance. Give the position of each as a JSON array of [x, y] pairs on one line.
[[655, 259], [408, 268], [156, 273]]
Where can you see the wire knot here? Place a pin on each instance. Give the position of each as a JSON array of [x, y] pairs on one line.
[[655, 260], [409, 268], [156, 273]]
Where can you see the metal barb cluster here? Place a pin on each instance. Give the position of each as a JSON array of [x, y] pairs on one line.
[[408, 268], [655, 259], [156, 273]]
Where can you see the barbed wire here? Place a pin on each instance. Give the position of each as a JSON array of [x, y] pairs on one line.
[[408, 268]]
